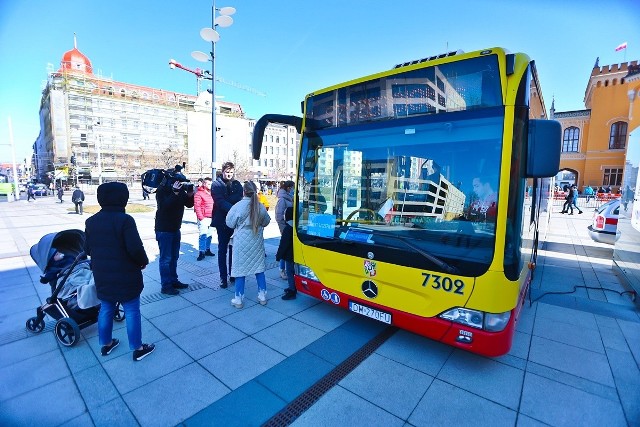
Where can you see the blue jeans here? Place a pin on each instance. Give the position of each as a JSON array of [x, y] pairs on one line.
[[224, 236], [290, 280], [134, 322], [204, 240], [260, 278], [169, 244], [282, 264]]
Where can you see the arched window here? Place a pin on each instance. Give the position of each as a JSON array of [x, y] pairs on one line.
[[570, 139], [618, 136]]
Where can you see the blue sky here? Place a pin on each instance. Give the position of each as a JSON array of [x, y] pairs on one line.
[[288, 48]]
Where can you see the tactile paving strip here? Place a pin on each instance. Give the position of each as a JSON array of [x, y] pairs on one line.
[[310, 396]]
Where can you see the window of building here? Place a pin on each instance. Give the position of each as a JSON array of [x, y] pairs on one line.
[[271, 151], [83, 137], [612, 176], [290, 163], [618, 135], [123, 93], [264, 162], [277, 149], [270, 162], [570, 139], [277, 140]]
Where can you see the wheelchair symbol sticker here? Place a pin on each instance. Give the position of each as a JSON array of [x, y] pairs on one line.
[[330, 296]]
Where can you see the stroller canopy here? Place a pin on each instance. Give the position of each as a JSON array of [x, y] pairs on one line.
[[70, 242]]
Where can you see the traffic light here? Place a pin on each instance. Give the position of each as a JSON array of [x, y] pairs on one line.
[[73, 160]]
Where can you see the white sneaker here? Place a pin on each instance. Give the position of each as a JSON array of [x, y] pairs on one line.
[[262, 297], [283, 274], [237, 301]]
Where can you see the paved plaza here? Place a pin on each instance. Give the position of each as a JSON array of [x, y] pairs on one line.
[[575, 359]]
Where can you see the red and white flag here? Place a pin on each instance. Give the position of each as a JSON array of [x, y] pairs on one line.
[[621, 46]]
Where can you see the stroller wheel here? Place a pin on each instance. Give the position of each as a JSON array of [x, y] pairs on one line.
[[35, 325], [118, 315], [67, 331]]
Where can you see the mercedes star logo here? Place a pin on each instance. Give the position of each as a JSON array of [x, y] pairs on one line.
[[369, 289]]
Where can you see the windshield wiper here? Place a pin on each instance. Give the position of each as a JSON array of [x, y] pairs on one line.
[[443, 265]]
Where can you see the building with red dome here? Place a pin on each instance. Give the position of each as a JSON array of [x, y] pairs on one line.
[[94, 128]]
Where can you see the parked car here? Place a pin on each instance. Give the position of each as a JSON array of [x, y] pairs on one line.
[[604, 228], [40, 190]]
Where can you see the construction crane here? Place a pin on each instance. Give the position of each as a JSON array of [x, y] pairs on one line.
[[205, 74]]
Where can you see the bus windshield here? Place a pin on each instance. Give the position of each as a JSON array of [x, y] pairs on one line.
[[399, 188]]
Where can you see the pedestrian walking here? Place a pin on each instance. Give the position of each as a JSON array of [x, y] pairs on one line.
[[285, 200], [31, 193], [77, 197], [60, 193], [248, 218], [117, 260], [285, 253], [226, 192], [145, 194], [203, 207], [571, 201]]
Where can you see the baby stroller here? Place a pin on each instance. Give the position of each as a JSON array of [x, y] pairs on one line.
[[73, 302]]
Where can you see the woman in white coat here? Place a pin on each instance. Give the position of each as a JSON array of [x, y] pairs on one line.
[[248, 218]]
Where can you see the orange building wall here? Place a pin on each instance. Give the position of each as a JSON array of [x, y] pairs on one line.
[[607, 98]]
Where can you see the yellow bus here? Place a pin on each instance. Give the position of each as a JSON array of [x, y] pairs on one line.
[[411, 186]]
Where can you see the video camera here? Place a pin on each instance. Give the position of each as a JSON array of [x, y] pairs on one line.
[[155, 178]]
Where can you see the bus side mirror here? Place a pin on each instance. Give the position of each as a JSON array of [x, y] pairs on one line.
[[543, 151]]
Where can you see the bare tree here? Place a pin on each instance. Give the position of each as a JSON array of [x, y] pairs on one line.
[[243, 167]]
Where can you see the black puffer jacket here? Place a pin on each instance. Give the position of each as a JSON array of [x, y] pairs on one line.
[[225, 194], [114, 245], [171, 206]]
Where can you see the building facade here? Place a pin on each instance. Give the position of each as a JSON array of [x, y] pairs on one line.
[[94, 129], [595, 140]]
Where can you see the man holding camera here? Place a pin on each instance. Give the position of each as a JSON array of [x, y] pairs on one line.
[[226, 192], [172, 197]]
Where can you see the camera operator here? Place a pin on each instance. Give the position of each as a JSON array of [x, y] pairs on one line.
[[172, 197], [226, 192]]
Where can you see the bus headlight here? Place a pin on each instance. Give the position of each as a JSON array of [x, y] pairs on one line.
[[496, 322], [464, 316], [491, 322], [304, 271]]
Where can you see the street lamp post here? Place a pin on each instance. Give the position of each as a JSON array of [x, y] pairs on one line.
[[16, 188], [223, 20], [97, 147]]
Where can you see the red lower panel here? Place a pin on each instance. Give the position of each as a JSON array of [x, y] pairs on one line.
[[474, 340]]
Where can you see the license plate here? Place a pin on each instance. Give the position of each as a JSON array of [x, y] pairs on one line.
[[373, 313]]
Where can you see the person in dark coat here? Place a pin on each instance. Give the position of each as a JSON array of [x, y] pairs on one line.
[[117, 260], [78, 199], [285, 252], [60, 193], [171, 201], [226, 192]]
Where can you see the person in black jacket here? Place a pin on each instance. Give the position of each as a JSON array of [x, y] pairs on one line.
[[117, 260], [285, 252], [226, 192], [171, 201]]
